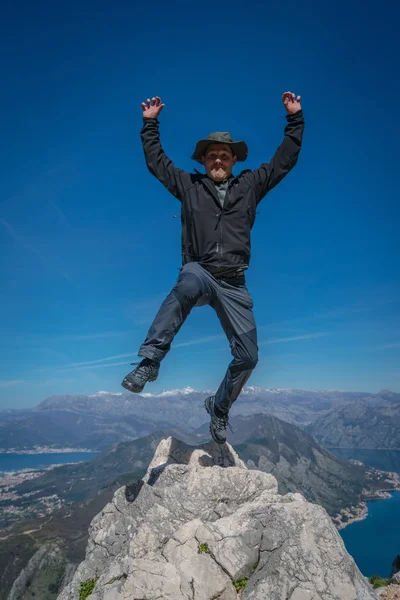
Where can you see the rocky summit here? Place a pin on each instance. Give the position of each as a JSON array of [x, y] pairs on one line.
[[201, 526]]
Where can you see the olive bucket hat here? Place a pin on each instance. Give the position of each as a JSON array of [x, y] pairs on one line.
[[239, 149]]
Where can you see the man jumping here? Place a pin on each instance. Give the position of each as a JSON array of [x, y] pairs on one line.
[[218, 213]]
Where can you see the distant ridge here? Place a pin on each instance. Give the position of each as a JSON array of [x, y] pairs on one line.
[[97, 420]]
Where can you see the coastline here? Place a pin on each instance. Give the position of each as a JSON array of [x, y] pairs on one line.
[[351, 515], [346, 516], [360, 512], [44, 450], [356, 448], [52, 450]]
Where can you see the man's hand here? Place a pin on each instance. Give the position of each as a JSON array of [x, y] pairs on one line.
[[152, 109], [292, 104]]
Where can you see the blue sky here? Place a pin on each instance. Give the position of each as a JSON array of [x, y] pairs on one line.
[[89, 244]]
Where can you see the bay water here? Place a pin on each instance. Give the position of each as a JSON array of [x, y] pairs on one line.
[[18, 462], [374, 542]]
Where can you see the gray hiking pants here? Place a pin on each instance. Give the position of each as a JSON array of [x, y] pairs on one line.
[[233, 304]]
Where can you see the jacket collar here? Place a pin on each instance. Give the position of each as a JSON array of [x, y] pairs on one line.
[[205, 177], [208, 182]]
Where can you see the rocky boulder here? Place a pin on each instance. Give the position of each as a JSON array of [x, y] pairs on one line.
[[201, 526], [396, 578]]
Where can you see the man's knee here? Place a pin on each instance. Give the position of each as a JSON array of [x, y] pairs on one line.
[[249, 362], [246, 360], [245, 350]]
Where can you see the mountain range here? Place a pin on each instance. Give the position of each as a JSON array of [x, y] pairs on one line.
[[367, 423], [95, 421]]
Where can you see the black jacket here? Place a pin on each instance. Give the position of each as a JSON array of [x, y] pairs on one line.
[[214, 236]]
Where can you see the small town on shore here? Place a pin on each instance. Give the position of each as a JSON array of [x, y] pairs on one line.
[[9, 480], [43, 450]]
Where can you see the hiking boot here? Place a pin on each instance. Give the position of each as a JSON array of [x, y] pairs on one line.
[[147, 370], [218, 423]]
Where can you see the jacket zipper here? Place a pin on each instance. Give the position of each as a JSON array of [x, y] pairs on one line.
[[220, 244], [219, 222], [220, 234]]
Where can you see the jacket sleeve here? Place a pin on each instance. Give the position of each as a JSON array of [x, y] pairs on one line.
[[284, 159], [158, 163]]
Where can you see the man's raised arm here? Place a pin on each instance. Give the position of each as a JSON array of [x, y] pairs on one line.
[[158, 163], [285, 158]]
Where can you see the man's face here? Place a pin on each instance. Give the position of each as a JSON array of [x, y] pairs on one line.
[[218, 161]]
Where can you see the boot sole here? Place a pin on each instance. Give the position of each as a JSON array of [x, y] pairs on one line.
[[135, 389]]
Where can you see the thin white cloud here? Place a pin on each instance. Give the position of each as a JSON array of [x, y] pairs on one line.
[[46, 184], [388, 346], [95, 364], [91, 336], [292, 330], [29, 246], [142, 311], [204, 340], [56, 381], [86, 364], [338, 312], [11, 382], [99, 360], [100, 366], [47, 382], [61, 216], [99, 363], [333, 313], [294, 338]]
